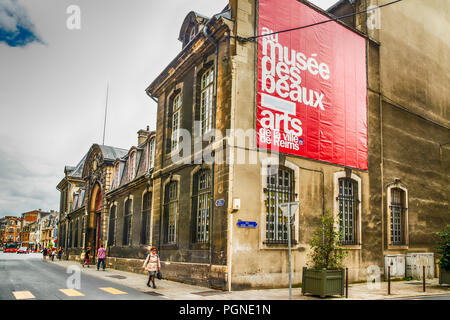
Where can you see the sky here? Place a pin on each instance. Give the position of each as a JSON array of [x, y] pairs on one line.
[[54, 78]]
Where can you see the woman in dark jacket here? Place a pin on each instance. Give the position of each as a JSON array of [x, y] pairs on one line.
[[86, 257]]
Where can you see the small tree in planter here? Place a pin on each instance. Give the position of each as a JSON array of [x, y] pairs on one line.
[[326, 275], [444, 252]]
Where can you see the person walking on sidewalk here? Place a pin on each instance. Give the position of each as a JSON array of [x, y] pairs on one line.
[[86, 257], [101, 254], [60, 252], [44, 253], [53, 254], [152, 264]]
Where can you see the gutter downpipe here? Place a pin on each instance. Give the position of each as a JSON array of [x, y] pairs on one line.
[[216, 65]]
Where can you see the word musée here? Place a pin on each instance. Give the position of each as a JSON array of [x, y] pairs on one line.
[[281, 72]]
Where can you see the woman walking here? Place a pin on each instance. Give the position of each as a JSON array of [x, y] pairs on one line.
[[152, 264], [86, 257]]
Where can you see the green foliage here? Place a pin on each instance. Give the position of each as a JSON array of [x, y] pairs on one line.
[[326, 250], [444, 248]]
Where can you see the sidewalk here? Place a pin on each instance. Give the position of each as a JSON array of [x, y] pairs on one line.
[[179, 291]]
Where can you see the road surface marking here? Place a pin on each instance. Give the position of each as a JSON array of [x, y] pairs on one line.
[[113, 291], [22, 295], [71, 292]]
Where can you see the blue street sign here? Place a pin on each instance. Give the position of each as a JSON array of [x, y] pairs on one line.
[[247, 224], [220, 203]]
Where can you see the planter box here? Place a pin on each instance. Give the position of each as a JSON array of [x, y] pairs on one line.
[[323, 282], [444, 276]]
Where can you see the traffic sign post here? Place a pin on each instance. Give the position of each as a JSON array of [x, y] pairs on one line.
[[289, 209]]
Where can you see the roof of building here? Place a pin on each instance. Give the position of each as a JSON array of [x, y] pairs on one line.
[[112, 153], [340, 3], [77, 172]]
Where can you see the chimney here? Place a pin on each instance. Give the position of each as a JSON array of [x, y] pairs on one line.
[[143, 135]]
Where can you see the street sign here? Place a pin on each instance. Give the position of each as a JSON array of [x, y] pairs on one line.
[[247, 224], [220, 203], [285, 208], [288, 210]]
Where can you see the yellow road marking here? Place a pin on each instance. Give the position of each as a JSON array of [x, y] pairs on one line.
[[22, 295], [71, 292], [113, 291]]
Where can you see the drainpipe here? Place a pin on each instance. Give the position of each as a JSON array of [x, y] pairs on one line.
[[216, 65]]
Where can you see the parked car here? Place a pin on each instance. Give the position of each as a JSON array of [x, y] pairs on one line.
[[11, 247], [23, 250]]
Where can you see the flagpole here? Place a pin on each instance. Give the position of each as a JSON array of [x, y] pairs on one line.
[[106, 112]]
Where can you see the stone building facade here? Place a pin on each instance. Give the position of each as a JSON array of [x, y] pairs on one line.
[[397, 204], [10, 229], [106, 199], [199, 200], [27, 219]]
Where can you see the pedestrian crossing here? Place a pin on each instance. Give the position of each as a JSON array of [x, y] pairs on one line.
[[27, 295]]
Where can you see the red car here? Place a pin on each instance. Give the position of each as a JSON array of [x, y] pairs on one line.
[[11, 247], [23, 250]]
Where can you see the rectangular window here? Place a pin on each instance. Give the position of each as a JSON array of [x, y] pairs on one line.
[[397, 217], [76, 235], [348, 204], [280, 189], [112, 226], [146, 213], [202, 205], [151, 154], [206, 100], [176, 112], [127, 223], [171, 208]]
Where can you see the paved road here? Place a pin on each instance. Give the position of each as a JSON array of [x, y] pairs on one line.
[[26, 276], [435, 297]]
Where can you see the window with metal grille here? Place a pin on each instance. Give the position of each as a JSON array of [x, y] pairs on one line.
[[146, 213], [397, 216], [176, 115], [112, 226], [280, 189], [348, 208], [206, 100], [127, 223], [170, 212], [202, 205]]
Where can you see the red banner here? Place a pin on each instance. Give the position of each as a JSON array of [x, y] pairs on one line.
[[312, 87]]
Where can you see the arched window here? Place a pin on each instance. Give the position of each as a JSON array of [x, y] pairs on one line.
[[127, 223], [112, 226], [398, 216], [206, 100], [201, 202], [280, 189], [132, 166], [348, 210], [146, 213], [115, 183], [170, 212]]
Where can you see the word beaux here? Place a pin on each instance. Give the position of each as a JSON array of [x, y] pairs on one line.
[[282, 68]]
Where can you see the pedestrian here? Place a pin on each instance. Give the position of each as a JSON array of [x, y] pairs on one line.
[[86, 257], [44, 253], [53, 254], [60, 252], [101, 256], [152, 264]]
